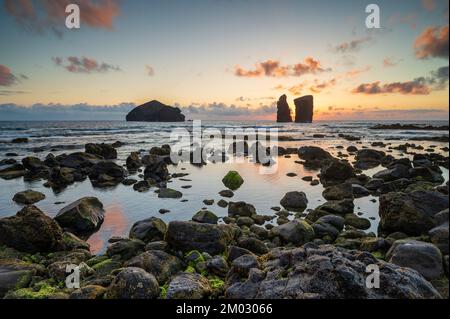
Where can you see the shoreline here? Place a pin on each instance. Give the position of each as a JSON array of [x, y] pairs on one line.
[[257, 238]]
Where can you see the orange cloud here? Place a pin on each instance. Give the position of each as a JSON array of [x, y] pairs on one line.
[[356, 72], [433, 42], [389, 62], [41, 15], [319, 87], [273, 68]]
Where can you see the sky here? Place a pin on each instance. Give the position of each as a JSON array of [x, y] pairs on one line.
[[224, 59]]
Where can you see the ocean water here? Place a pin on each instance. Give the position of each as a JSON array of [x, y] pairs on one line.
[[124, 206]]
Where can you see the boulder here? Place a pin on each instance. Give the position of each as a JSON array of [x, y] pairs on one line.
[[133, 283], [133, 161], [206, 217], [155, 111], [254, 245], [188, 236], [325, 272], [149, 230], [338, 192], [106, 151], [189, 286], [82, 216], [241, 209], [295, 201], [418, 255], [412, 213], [169, 193], [28, 197], [125, 248], [107, 173], [31, 231], [155, 168], [78, 160], [159, 263], [336, 172], [368, 158], [328, 227], [297, 232], [439, 237], [12, 171], [283, 110], [16, 274], [313, 156], [233, 180]]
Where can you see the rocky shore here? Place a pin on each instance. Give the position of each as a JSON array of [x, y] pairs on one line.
[[294, 253]]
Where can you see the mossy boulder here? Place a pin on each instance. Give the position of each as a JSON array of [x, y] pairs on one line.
[[82, 216], [233, 180], [297, 232], [31, 231], [133, 283], [90, 292], [149, 230], [189, 286], [206, 217], [159, 263], [28, 197], [188, 236]]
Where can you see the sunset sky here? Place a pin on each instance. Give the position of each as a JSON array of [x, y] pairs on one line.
[[225, 58]]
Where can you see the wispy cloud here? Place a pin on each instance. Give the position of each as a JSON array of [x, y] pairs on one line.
[[40, 16], [432, 42], [390, 62], [274, 68], [353, 45], [429, 5], [84, 65]]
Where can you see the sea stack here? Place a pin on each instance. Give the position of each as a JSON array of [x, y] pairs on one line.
[[304, 109], [155, 111], [283, 110]]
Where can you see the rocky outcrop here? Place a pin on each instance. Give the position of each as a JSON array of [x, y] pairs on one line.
[[283, 110], [324, 272], [304, 109], [155, 111], [28, 197]]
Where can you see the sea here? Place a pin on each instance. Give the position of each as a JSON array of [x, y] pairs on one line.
[[124, 206]]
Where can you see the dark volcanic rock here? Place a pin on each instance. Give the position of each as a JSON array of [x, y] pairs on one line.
[[418, 255], [31, 231], [412, 213], [133, 283], [155, 111], [326, 272], [103, 150], [149, 230], [283, 110], [188, 236], [28, 197], [304, 109], [82, 216], [336, 172]]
